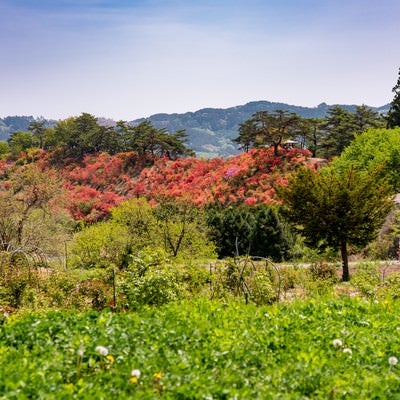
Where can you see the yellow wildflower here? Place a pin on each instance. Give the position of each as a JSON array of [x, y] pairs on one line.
[[133, 379], [110, 358], [157, 375]]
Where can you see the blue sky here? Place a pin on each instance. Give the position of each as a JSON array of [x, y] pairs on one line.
[[125, 59]]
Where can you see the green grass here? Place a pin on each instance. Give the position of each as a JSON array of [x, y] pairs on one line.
[[206, 350]]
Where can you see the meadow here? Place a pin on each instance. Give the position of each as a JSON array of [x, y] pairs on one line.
[[335, 341]]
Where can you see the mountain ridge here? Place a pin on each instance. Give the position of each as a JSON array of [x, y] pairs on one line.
[[210, 130]]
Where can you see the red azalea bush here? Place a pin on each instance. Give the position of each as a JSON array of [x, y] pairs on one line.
[[98, 182]]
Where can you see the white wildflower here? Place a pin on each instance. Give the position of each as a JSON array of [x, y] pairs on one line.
[[393, 360], [347, 351], [103, 351], [136, 373], [81, 352], [337, 343]]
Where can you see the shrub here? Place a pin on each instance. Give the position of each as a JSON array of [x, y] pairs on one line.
[[324, 271], [391, 287], [99, 246], [249, 230], [261, 288], [366, 279], [156, 287]]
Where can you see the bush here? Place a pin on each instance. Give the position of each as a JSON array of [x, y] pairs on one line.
[[391, 287], [156, 287], [324, 271], [261, 288], [366, 279], [99, 246]]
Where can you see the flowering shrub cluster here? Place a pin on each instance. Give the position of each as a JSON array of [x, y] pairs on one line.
[[100, 181], [247, 178]]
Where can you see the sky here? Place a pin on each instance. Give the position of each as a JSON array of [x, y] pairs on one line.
[[126, 59]]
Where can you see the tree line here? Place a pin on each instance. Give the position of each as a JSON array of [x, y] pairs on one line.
[[84, 135], [324, 137]]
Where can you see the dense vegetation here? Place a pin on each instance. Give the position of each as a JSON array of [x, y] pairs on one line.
[[341, 349], [130, 268], [210, 131]]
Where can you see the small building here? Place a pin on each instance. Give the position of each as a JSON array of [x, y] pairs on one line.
[[290, 144]]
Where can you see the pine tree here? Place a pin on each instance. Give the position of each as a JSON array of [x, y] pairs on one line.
[[393, 118]]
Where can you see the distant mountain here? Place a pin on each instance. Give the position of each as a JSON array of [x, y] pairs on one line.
[[211, 130], [16, 123]]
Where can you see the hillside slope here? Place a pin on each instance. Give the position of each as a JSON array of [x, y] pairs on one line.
[[210, 130]]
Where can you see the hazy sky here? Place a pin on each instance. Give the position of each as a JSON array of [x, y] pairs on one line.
[[125, 59]]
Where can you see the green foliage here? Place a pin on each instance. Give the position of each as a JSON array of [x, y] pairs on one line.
[[172, 228], [372, 150], [337, 209], [390, 288], [393, 117], [262, 289], [175, 226], [253, 230], [252, 279], [99, 246], [267, 129], [366, 279], [203, 349], [15, 275], [341, 126], [4, 149], [324, 271], [156, 287], [20, 142], [136, 215], [151, 279]]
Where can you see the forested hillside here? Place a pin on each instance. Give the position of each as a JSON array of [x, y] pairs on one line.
[[210, 130]]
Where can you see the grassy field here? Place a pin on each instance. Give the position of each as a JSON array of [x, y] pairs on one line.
[[331, 348]]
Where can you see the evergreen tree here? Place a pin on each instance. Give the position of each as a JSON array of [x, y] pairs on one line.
[[38, 130], [248, 230], [337, 209], [393, 117], [365, 118], [268, 129], [339, 130]]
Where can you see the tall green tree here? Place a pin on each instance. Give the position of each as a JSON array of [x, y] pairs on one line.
[[365, 118], [20, 141], [83, 135], [146, 139], [268, 129], [339, 128], [248, 133], [310, 134], [335, 209], [38, 130], [393, 117]]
